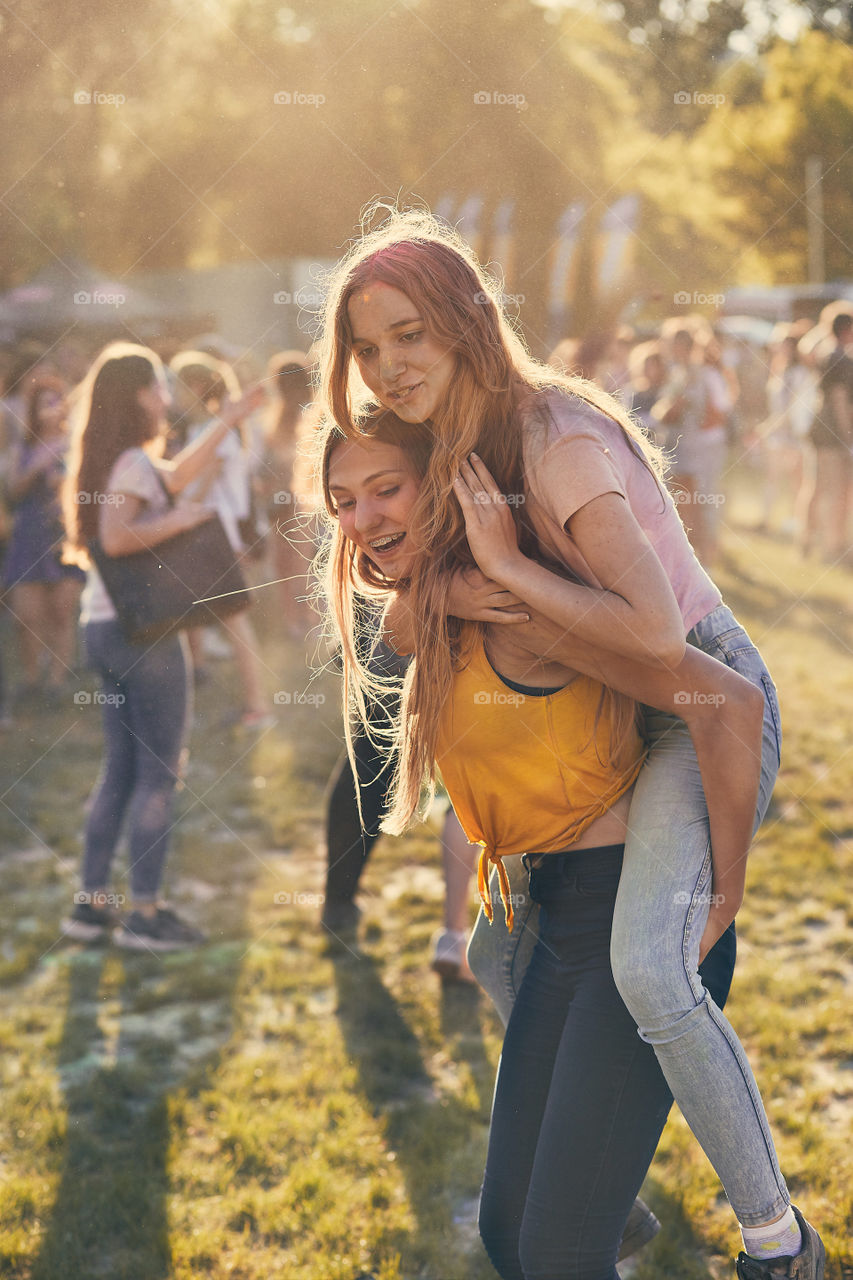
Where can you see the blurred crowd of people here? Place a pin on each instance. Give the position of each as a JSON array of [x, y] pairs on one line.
[[250, 485], [713, 401], [782, 413]]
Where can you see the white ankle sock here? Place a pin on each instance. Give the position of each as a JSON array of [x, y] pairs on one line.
[[782, 1239]]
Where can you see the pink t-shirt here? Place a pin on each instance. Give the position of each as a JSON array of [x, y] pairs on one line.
[[575, 454]]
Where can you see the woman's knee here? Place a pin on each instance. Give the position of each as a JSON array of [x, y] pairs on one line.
[[642, 982]]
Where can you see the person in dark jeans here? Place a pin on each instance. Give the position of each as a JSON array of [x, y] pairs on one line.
[[146, 711], [350, 838], [117, 492], [570, 1036]]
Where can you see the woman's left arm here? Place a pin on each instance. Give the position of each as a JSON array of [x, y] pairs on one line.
[[724, 713], [634, 613]]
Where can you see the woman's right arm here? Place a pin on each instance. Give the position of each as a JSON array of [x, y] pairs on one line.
[[187, 465], [634, 612], [124, 528], [472, 596], [724, 713]]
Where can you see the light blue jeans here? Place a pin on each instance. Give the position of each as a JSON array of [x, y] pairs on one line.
[[659, 917]]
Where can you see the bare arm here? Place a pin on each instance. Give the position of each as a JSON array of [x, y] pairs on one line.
[[634, 613], [191, 461], [124, 529], [472, 596], [724, 714]]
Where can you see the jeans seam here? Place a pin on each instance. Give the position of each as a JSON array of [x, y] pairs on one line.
[[769, 1146], [719, 1019], [707, 865], [603, 1149]]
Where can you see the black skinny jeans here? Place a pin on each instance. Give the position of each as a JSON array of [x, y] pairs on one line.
[[580, 1101], [348, 844]]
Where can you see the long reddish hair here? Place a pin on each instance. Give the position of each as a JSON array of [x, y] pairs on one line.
[[354, 592], [497, 405]]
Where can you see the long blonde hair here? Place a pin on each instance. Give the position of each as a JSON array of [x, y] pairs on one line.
[[354, 591], [495, 400]]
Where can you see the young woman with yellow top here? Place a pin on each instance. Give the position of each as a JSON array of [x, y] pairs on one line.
[[545, 772], [413, 324]]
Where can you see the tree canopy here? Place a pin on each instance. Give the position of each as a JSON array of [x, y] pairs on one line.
[[175, 135]]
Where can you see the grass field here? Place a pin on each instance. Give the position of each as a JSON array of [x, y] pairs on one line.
[[263, 1108]]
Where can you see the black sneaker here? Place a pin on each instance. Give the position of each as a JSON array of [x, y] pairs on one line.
[[641, 1227], [89, 924], [808, 1264], [165, 931]]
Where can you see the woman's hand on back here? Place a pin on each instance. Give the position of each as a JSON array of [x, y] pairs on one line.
[[489, 524]]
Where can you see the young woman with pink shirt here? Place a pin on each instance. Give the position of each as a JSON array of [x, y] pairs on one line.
[[413, 324]]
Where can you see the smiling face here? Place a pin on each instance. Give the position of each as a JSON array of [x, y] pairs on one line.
[[374, 486], [401, 363]]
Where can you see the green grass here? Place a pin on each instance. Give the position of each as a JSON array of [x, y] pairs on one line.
[[265, 1107]]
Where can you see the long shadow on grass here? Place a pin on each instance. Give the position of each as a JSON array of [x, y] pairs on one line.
[[462, 1007], [109, 1216], [166, 1019], [430, 1134]]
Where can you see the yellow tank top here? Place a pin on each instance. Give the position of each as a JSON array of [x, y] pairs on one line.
[[527, 773]]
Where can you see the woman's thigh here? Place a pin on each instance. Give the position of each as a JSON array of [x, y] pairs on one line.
[[580, 1100], [604, 1115], [663, 902], [158, 705], [666, 883], [148, 686], [524, 1077], [30, 605]]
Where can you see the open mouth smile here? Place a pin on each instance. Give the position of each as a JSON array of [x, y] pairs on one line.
[[388, 542], [406, 393]]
